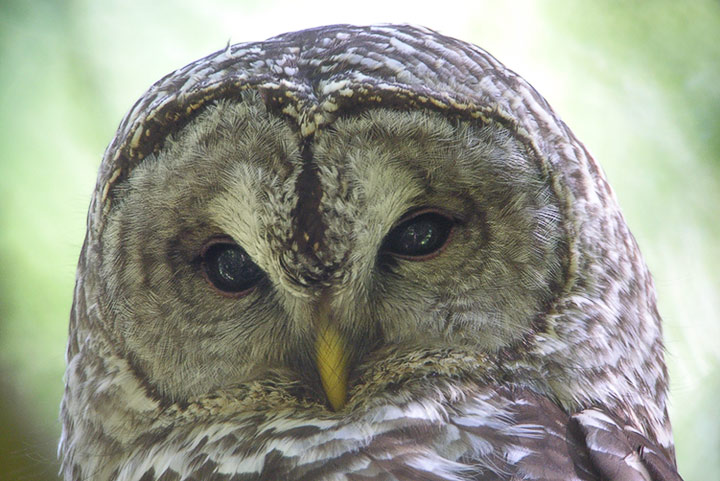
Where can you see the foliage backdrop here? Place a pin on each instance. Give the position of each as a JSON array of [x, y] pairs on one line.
[[636, 81]]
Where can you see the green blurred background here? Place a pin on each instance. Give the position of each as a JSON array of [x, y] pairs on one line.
[[638, 82]]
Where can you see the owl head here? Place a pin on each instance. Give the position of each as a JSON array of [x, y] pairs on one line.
[[306, 223]]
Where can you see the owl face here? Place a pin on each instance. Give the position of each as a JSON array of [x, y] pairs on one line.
[[368, 250], [230, 251]]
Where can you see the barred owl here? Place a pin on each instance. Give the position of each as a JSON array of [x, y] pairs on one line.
[[358, 253]]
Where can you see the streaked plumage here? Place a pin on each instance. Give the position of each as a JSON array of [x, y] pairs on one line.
[[518, 340]]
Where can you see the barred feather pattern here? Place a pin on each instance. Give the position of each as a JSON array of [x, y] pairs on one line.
[[439, 424], [582, 397]]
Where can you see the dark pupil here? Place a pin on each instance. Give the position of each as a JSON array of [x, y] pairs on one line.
[[230, 269], [420, 235]]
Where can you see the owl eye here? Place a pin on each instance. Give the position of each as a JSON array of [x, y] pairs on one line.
[[420, 237], [229, 268]]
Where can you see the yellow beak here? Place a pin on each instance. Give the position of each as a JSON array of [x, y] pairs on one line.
[[331, 358]]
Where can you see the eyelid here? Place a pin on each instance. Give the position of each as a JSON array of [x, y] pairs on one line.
[[215, 240], [426, 210]]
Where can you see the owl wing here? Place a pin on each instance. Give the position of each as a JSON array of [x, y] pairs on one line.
[[619, 451], [591, 444]]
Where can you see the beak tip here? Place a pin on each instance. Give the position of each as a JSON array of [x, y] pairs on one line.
[[337, 400]]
